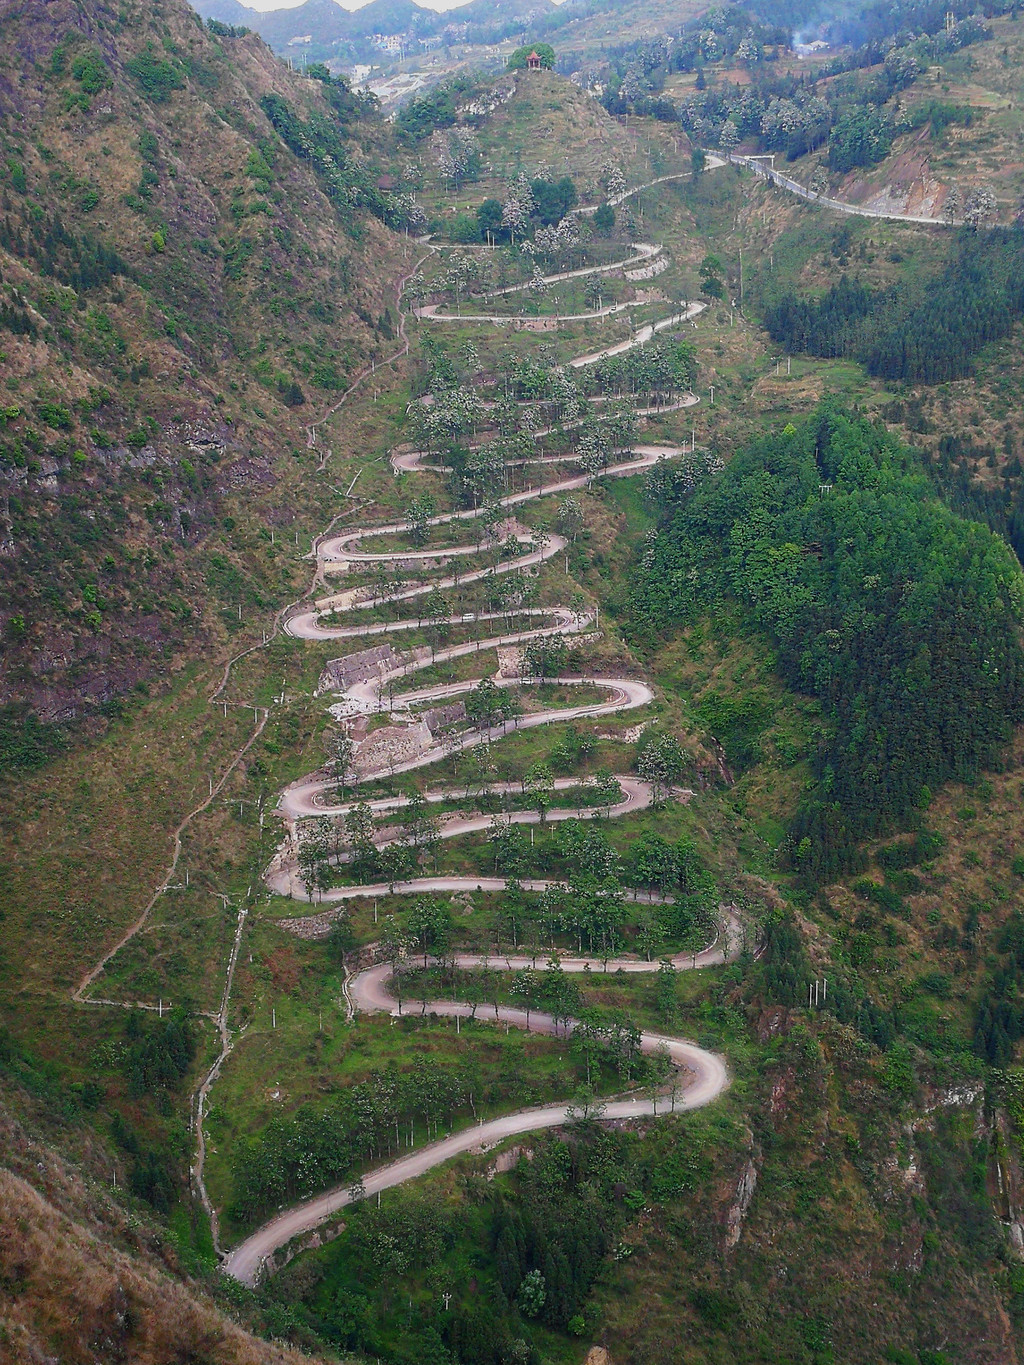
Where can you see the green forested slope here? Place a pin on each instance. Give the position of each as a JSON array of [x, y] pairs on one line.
[[928, 332], [902, 617]]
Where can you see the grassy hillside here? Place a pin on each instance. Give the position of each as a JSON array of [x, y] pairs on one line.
[[181, 295], [535, 123], [87, 1279]]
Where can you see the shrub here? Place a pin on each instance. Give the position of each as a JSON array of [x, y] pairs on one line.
[[155, 76], [327, 377], [936, 983], [26, 742], [713, 1307], [898, 1073], [55, 415], [221, 30], [16, 175], [604, 218], [488, 218], [465, 228], [90, 71]]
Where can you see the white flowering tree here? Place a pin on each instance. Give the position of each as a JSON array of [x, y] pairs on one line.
[[613, 179], [514, 217], [461, 270], [980, 207]]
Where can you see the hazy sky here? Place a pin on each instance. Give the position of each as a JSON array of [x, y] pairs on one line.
[[347, 4]]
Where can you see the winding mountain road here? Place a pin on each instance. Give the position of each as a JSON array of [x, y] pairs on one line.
[[625, 694], [707, 1077], [285, 881], [309, 625], [430, 312], [303, 800], [640, 337], [756, 164], [714, 161], [699, 1078], [330, 555], [645, 253], [706, 1073], [415, 461]]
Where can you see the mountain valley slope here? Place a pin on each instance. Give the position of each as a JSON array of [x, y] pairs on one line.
[[183, 304], [855, 1193]]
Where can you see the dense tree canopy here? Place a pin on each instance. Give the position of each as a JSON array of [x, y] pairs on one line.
[[923, 333], [860, 137], [902, 617], [438, 108], [554, 198]]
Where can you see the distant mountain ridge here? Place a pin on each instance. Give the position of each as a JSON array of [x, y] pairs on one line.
[[327, 23]]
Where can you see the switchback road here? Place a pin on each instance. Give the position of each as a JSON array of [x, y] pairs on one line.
[[699, 1077]]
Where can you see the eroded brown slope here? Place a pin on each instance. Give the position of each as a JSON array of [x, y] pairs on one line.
[[174, 282]]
